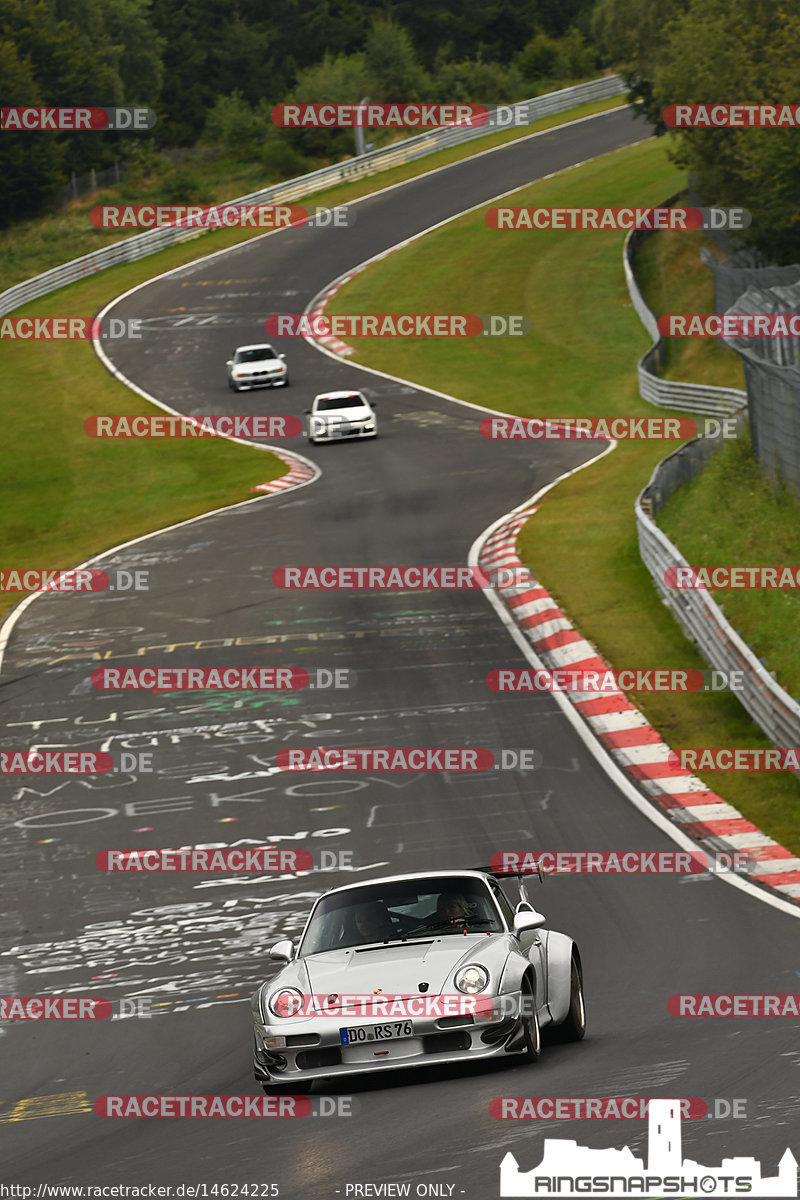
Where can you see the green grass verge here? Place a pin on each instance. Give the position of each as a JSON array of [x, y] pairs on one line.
[[579, 360], [66, 496], [731, 514], [674, 280], [31, 247]]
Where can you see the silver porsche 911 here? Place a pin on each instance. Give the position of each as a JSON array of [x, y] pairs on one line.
[[410, 970]]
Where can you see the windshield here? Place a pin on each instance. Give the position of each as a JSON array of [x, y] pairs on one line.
[[388, 912], [255, 355], [338, 402]]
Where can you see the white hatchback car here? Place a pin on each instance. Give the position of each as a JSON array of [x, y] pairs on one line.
[[256, 366], [335, 415]]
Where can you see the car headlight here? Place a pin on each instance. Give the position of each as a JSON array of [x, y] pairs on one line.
[[472, 978], [286, 1003]]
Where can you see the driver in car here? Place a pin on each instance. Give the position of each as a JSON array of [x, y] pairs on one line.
[[452, 908], [373, 922]]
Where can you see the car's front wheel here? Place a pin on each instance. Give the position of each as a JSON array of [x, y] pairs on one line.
[[233, 386], [574, 1027], [530, 1023]]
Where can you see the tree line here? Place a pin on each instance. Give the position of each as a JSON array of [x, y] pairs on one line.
[[213, 69]]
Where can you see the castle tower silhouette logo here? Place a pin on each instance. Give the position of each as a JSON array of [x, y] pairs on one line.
[[568, 1169]]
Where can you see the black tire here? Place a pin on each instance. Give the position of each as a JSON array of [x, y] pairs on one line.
[[301, 1088], [573, 1028], [530, 1023], [286, 381]]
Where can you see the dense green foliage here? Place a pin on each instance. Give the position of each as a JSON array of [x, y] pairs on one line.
[[719, 52], [213, 69]]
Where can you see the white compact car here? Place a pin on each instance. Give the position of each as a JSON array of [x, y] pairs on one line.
[[336, 415], [256, 366]]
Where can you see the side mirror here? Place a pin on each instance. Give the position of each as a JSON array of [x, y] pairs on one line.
[[282, 356], [374, 403], [528, 919], [282, 951], [308, 412], [229, 363]]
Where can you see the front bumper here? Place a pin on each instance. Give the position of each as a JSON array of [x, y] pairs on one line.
[[338, 433], [262, 379], [315, 1051]]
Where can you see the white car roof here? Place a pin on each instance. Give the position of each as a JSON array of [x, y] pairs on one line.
[[473, 874], [255, 346], [341, 395]]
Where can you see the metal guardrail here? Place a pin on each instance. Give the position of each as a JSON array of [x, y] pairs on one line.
[[670, 393], [153, 240], [702, 619]]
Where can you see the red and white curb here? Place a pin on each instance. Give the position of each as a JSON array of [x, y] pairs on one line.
[[626, 734], [300, 471], [335, 345]]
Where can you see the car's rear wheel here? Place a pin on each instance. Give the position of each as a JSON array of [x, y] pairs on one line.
[[574, 1027], [530, 1023]]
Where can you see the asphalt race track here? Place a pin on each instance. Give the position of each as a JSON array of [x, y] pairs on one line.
[[196, 946]]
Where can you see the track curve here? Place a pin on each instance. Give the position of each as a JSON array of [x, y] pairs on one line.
[[420, 494]]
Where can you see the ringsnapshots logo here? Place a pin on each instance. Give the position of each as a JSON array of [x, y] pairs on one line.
[[569, 1170]]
